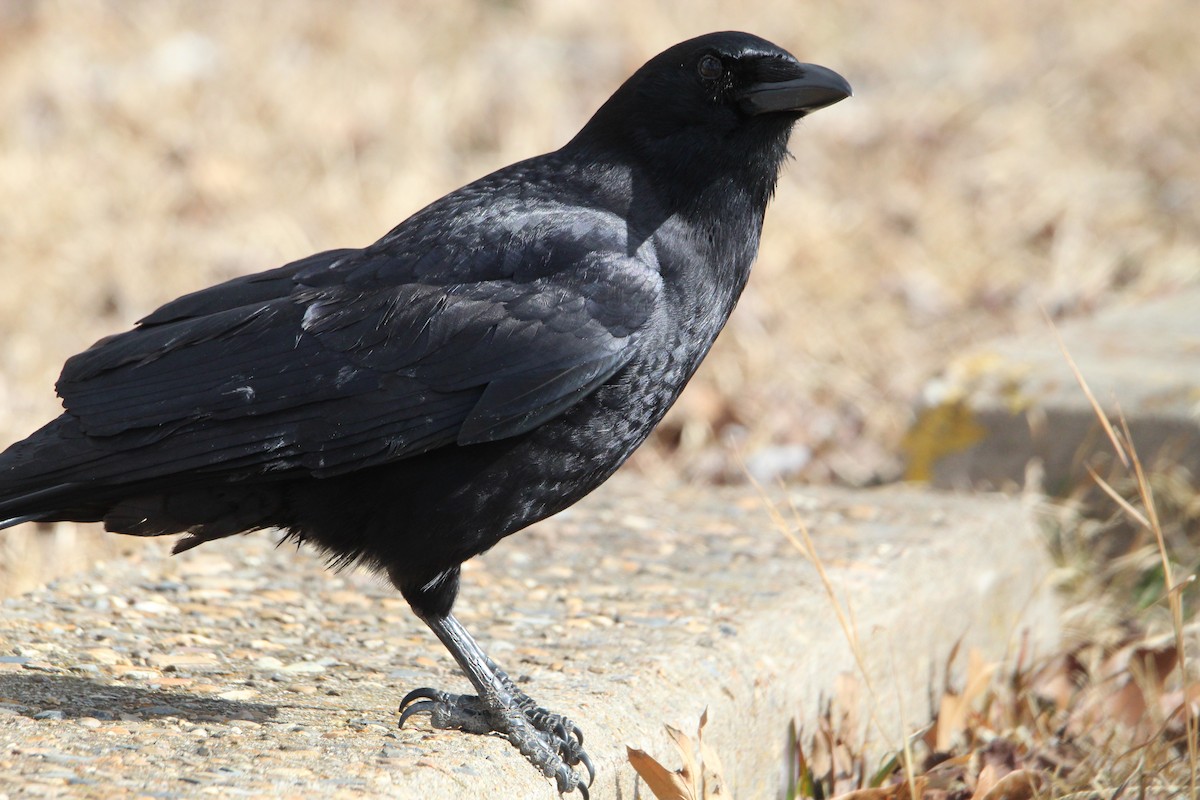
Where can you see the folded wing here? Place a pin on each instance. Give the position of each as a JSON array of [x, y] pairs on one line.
[[324, 367]]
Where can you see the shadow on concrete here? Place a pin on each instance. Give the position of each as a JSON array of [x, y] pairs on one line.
[[76, 697]]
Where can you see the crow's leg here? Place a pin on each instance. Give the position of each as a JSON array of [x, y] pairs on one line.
[[552, 743]]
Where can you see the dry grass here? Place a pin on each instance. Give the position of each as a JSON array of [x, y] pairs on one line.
[[997, 156]]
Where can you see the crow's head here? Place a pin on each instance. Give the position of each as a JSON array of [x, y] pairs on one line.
[[720, 102]]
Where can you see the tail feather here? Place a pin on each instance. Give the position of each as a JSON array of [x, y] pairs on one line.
[[42, 476], [53, 476], [36, 506], [8, 523]]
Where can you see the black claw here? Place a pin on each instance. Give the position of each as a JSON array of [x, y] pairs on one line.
[[591, 770], [539, 729], [417, 708], [423, 694]]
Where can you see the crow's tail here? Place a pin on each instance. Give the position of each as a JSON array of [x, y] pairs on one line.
[[30, 506], [59, 474], [37, 475]]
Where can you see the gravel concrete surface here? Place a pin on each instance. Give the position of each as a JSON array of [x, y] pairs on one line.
[[247, 670]]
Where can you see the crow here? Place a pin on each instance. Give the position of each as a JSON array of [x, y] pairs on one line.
[[486, 364]]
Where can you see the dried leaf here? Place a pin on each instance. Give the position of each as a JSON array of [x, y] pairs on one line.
[[1127, 705], [1059, 681], [848, 696], [700, 777], [987, 779], [895, 791], [1173, 702], [1135, 676], [955, 708], [663, 783], [979, 675], [714, 777], [1152, 660], [943, 775], [1155, 664], [820, 754], [1021, 784], [880, 793], [690, 771]]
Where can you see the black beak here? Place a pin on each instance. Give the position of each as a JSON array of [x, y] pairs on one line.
[[814, 87]]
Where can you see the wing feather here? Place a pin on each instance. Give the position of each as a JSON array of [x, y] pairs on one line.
[[324, 366]]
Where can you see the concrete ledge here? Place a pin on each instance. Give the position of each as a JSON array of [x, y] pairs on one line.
[[998, 408], [245, 670]]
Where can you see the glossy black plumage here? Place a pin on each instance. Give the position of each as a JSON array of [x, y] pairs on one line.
[[485, 364]]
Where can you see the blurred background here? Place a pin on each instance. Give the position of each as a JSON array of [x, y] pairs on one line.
[[998, 157]]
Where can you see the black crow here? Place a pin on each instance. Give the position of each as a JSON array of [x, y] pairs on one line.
[[484, 365]]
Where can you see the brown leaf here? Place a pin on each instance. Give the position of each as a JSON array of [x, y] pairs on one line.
[[847, 695], [895, 791], [690, 771], [1001, 753], [1157, 663], [1188, 694], [1022, 784], [714, 777], [979, 675], [1131, 690], [988, 777], [880, 793], [955, 708], [1127, 704], [944, 774], [1151, 661], [820, 753], [1059, 681], [663, 783]]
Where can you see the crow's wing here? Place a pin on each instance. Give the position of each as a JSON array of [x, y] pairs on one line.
[[326, 367], [261, 287]]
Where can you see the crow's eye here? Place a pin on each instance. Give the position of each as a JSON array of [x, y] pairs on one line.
[[710, 68]]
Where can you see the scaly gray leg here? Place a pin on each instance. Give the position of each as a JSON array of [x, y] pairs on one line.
[[551, 742]]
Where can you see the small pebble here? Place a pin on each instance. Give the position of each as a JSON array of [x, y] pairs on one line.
[[155, 608], [161, 711]]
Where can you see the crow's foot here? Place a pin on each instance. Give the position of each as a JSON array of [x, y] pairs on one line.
[[551, 742]]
